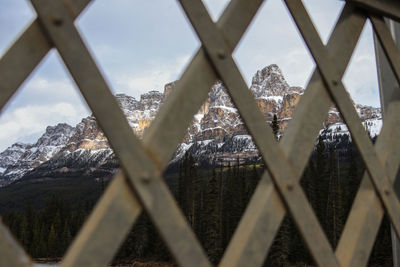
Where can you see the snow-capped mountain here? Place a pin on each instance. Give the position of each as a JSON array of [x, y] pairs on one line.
[[21, 158], [216, 135]]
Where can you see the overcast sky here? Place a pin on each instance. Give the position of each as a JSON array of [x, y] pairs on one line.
[[140, 45]]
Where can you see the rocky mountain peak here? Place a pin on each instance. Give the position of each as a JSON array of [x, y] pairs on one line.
[[169, 87], [20, 158], [152, 99], [218, 96], [269, 81], [55, 135], [126, 102], [87, 135], [368, 112], [11, 155], [18, 146]]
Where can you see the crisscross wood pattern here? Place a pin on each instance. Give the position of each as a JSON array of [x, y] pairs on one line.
[[139, 185]]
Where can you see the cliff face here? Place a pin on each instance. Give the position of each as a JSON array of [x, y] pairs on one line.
[[216, 135]]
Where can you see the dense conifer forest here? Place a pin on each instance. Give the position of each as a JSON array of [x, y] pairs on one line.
[[213, 200]]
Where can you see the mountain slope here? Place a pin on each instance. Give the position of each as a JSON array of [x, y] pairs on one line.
[[217, 134]]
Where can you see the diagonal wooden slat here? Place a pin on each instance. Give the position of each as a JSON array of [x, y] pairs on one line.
[[26, 53], [344, 104], [106, 228], [134, 158], [249, 245], [11, 253], [387, 8], [389, 47], [277, 164]]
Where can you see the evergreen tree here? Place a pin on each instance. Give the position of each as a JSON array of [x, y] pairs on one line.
[[275, 127], [238, 195], [382, 251], [353, 179], [212, 244], [52, 248], [24, 232], [200, 195], [181, 185], [189, 174], [42, 243], [321, 185], [251, 182], [34, 249], [141, 235], [227, 208], [309, 183], [66, 238], [334, 209], [279, 252]]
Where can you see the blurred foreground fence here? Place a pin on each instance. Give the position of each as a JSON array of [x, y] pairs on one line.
[[139, 185]]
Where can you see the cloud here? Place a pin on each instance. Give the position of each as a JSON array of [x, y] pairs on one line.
[[50, 82], [360, 78], [153, 77], [31, 121], [47, 97]]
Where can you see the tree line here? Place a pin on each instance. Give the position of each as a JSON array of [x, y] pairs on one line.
[[48, 232], [213, 201]]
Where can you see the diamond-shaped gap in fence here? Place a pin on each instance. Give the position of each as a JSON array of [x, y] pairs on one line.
[[272, 38], [361, 81], [330, 181], [288, 247], [15, 17], [381, 254], [332, 176], [143, 245], [215, 8], [135, 54], [212, 175], [51, 182], [324, 15]]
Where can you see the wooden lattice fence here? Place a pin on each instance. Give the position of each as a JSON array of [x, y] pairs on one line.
[[139, 185]]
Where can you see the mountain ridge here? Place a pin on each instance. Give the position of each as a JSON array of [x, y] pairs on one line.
[[217, 134]]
